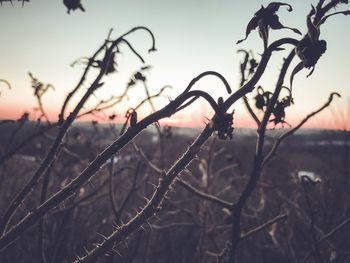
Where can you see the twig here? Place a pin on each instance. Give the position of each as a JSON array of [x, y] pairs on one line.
[[335, 230], [292, 131], [265, 225], [204, 196]]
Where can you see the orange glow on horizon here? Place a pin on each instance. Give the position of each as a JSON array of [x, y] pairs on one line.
[[186, 121]]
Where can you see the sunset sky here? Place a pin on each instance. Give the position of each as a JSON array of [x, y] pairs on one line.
[[192, 36]]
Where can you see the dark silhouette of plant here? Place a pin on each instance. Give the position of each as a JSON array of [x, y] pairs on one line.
[[266, 18], [67, 123], [39, 90], [311, 48], [154, 177], [74, 5]]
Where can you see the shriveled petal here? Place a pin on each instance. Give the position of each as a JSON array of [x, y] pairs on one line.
[[253, 23], [274, 6], [297, 68], [310, 73], [276, 24], [295, 30], [312, 30], [346, 13]]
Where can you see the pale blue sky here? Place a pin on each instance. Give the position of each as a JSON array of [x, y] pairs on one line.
[[192, 36]]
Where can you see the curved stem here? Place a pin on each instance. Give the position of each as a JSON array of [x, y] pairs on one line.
[[69, 190], [249, 86], [258, 158], [209, 73], [50, 157]]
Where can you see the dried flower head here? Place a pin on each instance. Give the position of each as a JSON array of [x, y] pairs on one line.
[[73, 5], [266, 18], [310, 47], [222, 123], [262, 98], [279, 110]]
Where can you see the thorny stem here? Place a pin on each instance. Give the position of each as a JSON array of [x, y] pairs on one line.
[[123, 140], [258, 158], [152, 206], [250, 85], [41, 230], [92, 59], [6, 217], [205, 196], [157, 198], [168, 177], [82, 80]]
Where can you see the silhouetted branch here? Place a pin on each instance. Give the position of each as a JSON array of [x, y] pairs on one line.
[[258, 158], [174, 225], [65, 126], [332, 232], [118, 211], [39, 90], [250, 84], [243, 68], [211, 198], [293, 130], [68, 190], [263, 226]]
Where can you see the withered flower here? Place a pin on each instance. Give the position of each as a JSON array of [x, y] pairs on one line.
[[311, 48], [110, 63], [266, 18], [73, 5], [139, 76], [252, 66], [262, 98], [279, 110], [131, 83], [222, 123]]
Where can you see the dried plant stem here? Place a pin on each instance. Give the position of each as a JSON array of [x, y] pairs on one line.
[[204, 196], [332, 232], [293, 130], [165, 183], [50, 157], [123, 140], [265, 225], [257, 165]]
